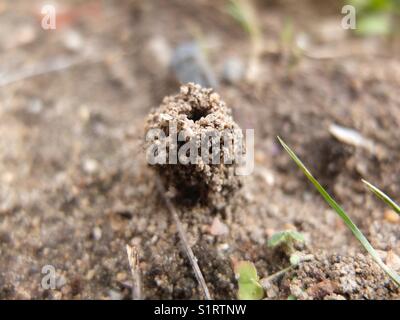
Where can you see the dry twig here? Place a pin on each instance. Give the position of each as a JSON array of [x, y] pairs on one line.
[[58, 64], [133, 258], [188, 250], [41, 68]]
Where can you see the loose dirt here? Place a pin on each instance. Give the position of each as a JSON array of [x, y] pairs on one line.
[[75, 187]]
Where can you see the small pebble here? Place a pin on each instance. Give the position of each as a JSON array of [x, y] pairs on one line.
[[73, 40], [57, 295], [268, 176], [121, 276], [190, 65], [97, 233], [114, 295], [84, 113], [159, 51], [393, 260], [233, 70], [218, 228], [90, 166], [27, 34], [334, 297], [7, 177], [60, 281], [391, 216], [35, 106], [90, 275], [223, 247], [271, 290]]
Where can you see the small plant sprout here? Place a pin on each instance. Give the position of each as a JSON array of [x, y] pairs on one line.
[[376, 17], [286, 239], [384, 197], [343, 215], [244, 13], [248, 281]]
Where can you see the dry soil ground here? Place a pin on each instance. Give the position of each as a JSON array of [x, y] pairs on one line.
[[75, 187]]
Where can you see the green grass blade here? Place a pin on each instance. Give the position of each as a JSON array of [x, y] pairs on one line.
[[381, 195], [236, 10], [350, 224], [243, 12]]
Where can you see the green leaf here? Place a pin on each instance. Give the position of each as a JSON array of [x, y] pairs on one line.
[[285, 237], [343, 215], [372, 5], [382, 196], [246, 271], [374, 24], [248, 281], [250, 291]]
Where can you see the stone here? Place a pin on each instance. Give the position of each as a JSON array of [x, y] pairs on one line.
[[190, 65], [233, 70]]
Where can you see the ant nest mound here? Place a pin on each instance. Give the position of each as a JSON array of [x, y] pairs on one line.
[[194, 145]]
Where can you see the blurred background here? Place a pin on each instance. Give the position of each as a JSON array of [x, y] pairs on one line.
[[73, 101]]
